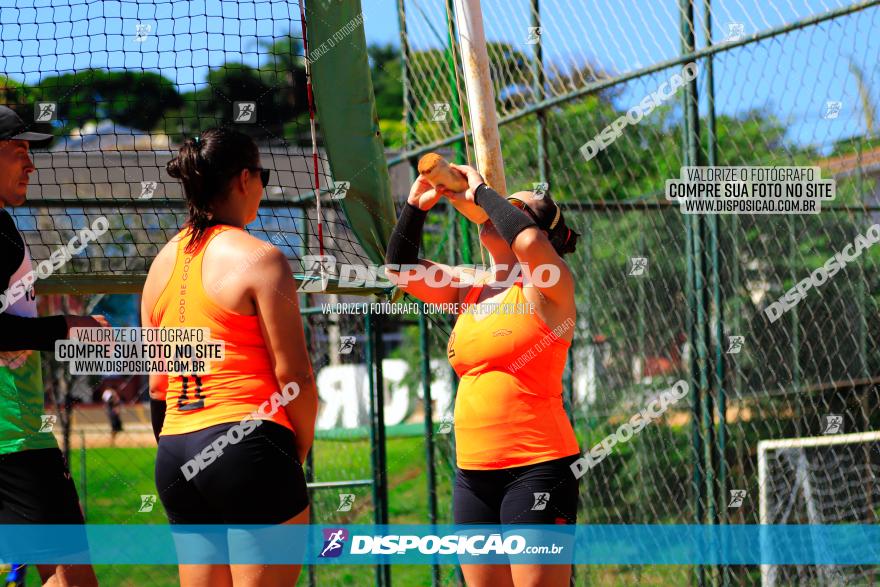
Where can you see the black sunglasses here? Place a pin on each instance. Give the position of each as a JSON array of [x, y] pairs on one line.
[[264, 174]]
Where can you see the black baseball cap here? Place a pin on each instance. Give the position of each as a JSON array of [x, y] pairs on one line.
[[12, 127]]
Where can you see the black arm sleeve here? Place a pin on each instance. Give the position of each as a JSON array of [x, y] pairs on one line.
[[157, 415], [403, 246], [11, 249], [18, 333], [507, 219]]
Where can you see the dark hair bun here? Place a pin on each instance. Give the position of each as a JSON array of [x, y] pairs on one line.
[[570, 245], [185, 162], [173, 168], [563, 238], [205, 168]]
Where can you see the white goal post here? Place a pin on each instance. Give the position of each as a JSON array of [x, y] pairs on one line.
[[814, 484]]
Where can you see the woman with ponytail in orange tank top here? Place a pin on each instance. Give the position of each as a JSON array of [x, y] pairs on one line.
[[215, 275], [514, 443]]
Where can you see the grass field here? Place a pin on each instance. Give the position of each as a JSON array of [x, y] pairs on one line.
[[113, 479]]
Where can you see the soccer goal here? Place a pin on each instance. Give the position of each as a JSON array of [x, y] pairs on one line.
[[819, 480]]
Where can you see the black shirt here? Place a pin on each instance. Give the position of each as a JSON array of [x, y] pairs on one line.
[[19, 333]]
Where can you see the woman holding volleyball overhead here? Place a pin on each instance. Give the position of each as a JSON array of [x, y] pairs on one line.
[[215, 275], [514, 443]]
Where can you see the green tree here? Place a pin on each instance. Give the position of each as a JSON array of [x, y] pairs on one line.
[[287, 72], [236, 82], [136, 99]]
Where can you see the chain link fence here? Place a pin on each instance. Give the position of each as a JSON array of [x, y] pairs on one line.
[[662, 296]]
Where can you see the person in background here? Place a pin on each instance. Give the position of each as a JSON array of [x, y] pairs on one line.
[[113, 407], [35, 483]]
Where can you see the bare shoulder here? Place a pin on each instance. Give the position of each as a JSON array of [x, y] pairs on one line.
[[163, 263], [241, 241], [160, 272], [169, 251], [237, 249]]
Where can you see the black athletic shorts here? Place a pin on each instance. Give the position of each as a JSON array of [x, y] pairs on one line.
[[543, 493], [257, 480], [36, 488]]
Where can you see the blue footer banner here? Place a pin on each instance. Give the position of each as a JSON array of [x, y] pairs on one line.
[[443, 544]]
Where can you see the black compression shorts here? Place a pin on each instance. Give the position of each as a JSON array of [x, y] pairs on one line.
[[36, 488], [258, 480], [543, 493]]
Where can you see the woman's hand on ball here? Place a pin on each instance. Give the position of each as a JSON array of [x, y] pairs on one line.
[[422, 194], [473, 177]]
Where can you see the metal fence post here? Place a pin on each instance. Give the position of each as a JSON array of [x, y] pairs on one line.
[[795, 319], [374, 459], [379, 424], [539, 95], [424, 333], [719, 368], [423, 322], [698, 300], [83, 475]]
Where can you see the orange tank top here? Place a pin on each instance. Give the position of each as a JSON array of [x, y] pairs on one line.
[[508, 410], [236, 386]]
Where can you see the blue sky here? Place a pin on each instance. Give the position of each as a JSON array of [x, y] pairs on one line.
[[793, 76]]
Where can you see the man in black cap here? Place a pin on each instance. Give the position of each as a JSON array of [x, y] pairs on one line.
[[35, 483]]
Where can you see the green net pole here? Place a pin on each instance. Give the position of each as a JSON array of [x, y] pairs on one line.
[[452, 230], [539, 93], [863, 299], [424, 326], [719, 463], [640, 337], [374, 461], [690, 143], [350, 123], [711, 222], [453, 376], [381, 461], [592, 420], [544, 171], [795, 334], [424, 335], [865, 399]]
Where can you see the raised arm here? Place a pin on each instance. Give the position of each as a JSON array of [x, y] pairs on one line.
[[433, 283], [527, 241]]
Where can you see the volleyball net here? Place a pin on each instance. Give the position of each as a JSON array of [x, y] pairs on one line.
[[121, 87]]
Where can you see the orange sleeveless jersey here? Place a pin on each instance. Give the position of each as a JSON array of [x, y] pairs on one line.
[[508, 410], [234, 387]]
